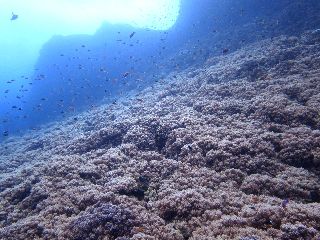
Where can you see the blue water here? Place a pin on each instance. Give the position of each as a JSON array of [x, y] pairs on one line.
[[63, 68]]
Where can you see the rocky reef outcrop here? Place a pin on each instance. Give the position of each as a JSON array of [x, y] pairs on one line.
[[227, 151]]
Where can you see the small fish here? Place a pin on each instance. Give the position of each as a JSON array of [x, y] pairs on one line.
[[225, 51], [126, 74], [284, 203], [132, 34], [14, 17]]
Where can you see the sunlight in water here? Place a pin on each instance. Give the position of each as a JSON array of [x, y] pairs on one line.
[[85, 16], [38, 20]]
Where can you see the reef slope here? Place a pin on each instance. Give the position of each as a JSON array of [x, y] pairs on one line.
[[228, 151]]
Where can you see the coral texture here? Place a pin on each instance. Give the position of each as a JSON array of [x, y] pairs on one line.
[[228, 151]]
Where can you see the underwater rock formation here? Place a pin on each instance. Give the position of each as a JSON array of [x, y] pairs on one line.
[[227, 151], [75, 72]]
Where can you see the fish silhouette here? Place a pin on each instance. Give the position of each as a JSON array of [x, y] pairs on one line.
[[14, 17]]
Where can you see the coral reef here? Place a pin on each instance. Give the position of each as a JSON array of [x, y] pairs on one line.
[[228, 151]]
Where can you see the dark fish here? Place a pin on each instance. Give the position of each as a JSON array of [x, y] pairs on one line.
[[284, 203], [126, 74], [225, 51], [14, 17], [132, 34]]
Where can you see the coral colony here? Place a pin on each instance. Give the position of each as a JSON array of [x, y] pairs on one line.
[[235, 158], [218, 139]]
